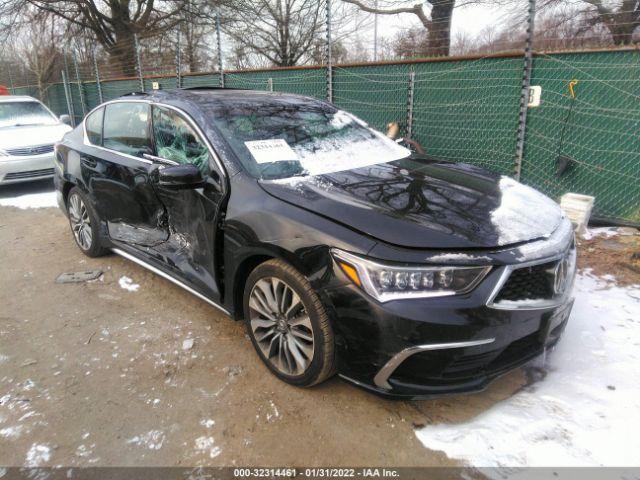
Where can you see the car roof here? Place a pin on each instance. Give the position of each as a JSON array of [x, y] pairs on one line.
[[18, 98], [216, 96]]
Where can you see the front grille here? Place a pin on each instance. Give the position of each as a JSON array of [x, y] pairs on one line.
[[529, 283], [26, 151], [30, 174]]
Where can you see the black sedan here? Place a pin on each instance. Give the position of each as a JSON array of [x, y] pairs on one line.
[[343, 251]]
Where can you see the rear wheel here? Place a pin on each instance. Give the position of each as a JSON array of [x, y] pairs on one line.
[[84, 224], [288, 325]]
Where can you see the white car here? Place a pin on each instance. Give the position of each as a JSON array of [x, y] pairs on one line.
[[28, 131]]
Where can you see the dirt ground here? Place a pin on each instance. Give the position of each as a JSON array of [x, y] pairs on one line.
[[94, 374]]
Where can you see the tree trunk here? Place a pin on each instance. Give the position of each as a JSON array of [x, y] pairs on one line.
[[622, 31], [123, 51], [440, 28], [123, 54]]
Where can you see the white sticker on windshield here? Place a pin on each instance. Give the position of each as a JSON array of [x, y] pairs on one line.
[[273, 150]]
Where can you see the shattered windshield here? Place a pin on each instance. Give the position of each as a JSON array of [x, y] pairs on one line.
[[282, 140], [18, 114]]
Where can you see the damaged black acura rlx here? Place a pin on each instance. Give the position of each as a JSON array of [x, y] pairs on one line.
[[342, 251]]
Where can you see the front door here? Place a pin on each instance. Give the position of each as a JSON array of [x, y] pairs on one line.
[[192, 214]]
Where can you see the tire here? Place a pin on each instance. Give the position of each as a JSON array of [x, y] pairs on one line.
[[84, 223], [297, 342]]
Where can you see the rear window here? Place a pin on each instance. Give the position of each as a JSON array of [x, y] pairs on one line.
[[93, 126], [278, 140], [19, 114]]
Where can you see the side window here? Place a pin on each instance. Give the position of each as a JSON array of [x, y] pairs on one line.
[[177, 141], [93, 125], [126, 128]]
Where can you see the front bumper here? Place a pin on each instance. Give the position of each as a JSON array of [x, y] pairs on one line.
[[27, 168], [431, 347]]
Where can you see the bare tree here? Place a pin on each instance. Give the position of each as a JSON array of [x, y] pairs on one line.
[[437, 21], [38, 49], [621, 20], [283, 31], [412, 42], [287, 32], [113, 23]]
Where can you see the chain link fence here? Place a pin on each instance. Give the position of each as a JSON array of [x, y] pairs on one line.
[[464, 109]]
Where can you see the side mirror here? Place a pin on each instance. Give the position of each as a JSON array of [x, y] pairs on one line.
[[66, 119], [180, 177]]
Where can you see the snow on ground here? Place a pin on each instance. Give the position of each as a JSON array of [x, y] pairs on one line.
[[127, 284], [586, 411], [607, 232], [31, 200]]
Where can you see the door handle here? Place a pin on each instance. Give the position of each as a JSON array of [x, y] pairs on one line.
[[89, 162]]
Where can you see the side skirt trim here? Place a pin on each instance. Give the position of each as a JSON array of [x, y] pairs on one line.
[[159, 272]]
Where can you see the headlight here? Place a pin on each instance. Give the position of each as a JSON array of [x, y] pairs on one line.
[[387, 282]]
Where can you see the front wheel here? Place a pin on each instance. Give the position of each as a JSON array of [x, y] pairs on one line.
[[288, 325], [84, 224]]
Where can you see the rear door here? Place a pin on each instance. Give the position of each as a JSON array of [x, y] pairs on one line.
[[192, 215], [118, 174]]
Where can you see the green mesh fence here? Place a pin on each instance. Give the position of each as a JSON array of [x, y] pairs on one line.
[[467, 111], [601, 134]]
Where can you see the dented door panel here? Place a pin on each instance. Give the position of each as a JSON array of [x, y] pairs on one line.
[[191, 217]]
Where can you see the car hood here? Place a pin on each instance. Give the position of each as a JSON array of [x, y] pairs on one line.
[[16, 137], [420, 203]]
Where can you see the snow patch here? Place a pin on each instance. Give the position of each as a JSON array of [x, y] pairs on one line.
[[607, 232], [153, 439], [585, 412], [207, 444], [11, 432], [207, 423], [457, 257], [31, 200], [37, 455], [509, 221], [127, 284]]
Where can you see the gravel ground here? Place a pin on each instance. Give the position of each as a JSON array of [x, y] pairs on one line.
[[130, 370]]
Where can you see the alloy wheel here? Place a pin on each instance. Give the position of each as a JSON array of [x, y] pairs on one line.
[[80, 222], [281, 326]]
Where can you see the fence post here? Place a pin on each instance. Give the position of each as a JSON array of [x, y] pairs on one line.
[[11, 88], [178, 62], [138, 63], [67, 94], [97, 74], [220, 71], [526, 87], [329, 59], [375, 32], [83, 103], [67, 88], [270, 84], [412, 79]]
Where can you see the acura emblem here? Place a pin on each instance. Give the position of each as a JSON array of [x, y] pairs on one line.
[[560, 276]]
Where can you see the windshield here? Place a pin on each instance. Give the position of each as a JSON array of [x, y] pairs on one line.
[[16, 114], [281, 140]]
